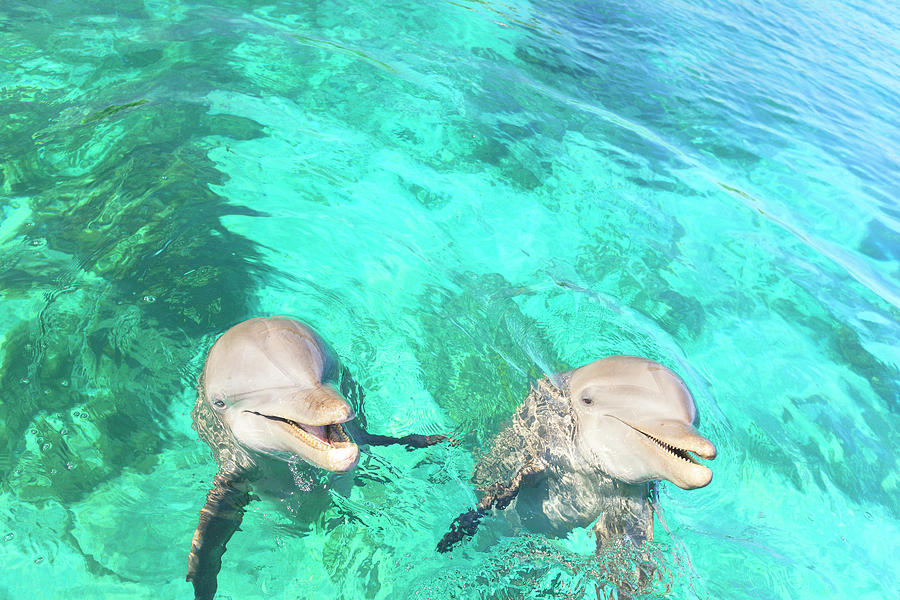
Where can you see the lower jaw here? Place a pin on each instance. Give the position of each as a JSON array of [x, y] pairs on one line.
[[331, 455], [695, 478], [340, 456], [345, 463]]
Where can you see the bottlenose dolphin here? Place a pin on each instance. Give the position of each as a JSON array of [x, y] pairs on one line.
[[588, 446], [271, 391]]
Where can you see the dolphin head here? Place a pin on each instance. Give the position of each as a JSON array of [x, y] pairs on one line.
[[263, 379], [634, 420]]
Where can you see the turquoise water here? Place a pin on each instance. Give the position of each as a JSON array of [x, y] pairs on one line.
[[460, 196]]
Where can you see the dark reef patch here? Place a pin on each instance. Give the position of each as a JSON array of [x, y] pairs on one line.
[[129, 269]]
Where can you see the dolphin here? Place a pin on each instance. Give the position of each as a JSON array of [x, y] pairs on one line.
[[588, 446], [271, 391]]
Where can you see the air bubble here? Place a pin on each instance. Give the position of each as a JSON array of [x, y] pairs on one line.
[[149, 299], [46, 447], [39, 560], [9, 536], [64, 383]]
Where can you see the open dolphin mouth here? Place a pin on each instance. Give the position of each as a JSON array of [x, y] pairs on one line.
[[688, 444], [679, 442], [681, 453], [320, 437]]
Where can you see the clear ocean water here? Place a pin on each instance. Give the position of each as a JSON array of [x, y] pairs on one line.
[[460, 196]]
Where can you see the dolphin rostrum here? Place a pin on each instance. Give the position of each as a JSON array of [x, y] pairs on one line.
[[592, 443], [271, 391]]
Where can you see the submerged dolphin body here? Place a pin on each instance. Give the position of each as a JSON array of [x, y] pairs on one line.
[[271, 391], [592, 444]]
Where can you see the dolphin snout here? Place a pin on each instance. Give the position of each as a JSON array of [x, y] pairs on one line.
[[322, 405], [677, 434], [704, 448]]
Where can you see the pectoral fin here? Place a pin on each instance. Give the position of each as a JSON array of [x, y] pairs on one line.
[[412, 441], [498, 496], [220, 517]]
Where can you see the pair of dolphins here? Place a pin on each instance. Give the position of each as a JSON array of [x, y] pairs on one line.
[[590, 443]]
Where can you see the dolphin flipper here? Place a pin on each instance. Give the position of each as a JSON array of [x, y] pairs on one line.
[[412, 441], [220, 517], [354, 394], [498, 495]]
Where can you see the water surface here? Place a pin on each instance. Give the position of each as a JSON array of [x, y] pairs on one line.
[[460, 196]]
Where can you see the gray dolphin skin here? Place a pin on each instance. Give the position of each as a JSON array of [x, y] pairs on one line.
[[588, 447], [271, 391]]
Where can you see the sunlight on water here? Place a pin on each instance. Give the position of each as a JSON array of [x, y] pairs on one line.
[[461, 197]]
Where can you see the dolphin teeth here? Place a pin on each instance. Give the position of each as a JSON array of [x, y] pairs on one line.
[[336, 434], [307, 437], [674, 451], [332, 435]]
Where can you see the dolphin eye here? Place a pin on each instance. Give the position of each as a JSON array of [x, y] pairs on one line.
[[219, 403], [587, 400]]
